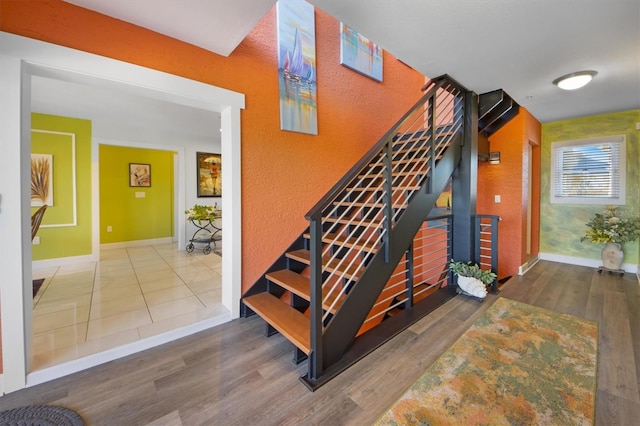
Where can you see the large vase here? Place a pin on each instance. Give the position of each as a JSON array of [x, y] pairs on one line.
[[612, 256]]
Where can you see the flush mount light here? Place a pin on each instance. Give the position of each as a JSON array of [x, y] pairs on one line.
[[575, 80]]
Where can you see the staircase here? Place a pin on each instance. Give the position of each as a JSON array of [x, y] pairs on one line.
[[337, 291]]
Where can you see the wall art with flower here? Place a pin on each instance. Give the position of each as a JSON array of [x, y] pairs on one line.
[[41, 180]]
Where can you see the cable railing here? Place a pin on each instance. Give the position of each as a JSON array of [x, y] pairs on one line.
[[422, 270], [354, 223], [486, 243]]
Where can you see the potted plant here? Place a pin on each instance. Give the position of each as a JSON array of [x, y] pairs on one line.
[[612, 229], [472, 279], [199, 213]]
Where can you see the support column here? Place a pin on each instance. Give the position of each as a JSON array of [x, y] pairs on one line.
[[464, 185]]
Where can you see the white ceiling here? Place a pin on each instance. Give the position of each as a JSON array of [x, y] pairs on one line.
[[519, 46], [121, 116], [215, 25]]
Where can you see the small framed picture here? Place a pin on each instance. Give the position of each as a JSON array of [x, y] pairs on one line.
[[139, 174], [209, 174]]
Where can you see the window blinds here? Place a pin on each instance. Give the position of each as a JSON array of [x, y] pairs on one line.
[[588, 172]]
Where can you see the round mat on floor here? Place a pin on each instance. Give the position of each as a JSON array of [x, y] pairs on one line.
[[40, 415]]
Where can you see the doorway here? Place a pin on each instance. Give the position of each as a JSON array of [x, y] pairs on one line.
[[20, 60]]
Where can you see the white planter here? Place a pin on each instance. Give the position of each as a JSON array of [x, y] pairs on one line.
[[612, 256], [472, 286]]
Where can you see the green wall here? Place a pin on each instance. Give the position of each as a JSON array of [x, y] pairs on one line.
[[132, 218], [562, 225], [68, 240]]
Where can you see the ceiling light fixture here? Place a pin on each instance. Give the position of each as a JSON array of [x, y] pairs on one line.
[[575, 80]]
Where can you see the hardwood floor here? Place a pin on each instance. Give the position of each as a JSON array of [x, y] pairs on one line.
[[233, 375]]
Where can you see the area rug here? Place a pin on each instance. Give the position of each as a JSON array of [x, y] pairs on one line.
[[517, 365], [36, 285], [40, 415]]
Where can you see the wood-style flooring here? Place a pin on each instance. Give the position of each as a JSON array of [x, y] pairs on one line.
[[233, 375]]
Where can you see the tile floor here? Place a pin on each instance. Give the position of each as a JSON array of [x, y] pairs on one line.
[[130, 294]]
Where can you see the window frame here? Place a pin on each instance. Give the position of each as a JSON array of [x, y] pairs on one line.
[[620, 199]]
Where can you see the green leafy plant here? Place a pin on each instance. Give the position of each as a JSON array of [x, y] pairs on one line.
[[611, 227], [199, 213], [473, 270]]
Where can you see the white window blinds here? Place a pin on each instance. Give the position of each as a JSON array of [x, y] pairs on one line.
[[590, 171]]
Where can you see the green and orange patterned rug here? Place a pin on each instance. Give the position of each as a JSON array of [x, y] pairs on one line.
[[517, 365]]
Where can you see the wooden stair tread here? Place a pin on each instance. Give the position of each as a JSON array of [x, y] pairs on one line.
[[304, 256], [301, 286], [291, 323]]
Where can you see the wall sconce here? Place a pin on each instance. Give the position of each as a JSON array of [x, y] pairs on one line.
[[492, 157]]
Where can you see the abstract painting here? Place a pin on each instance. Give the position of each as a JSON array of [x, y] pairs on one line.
[[297, 66], [209, 174], [41, 180], [139, 174], [359, 53]]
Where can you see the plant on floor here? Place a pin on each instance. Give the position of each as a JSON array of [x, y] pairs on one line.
[[472, 270], [200, 213]]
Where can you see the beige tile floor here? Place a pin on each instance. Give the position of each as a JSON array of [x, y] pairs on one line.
[[130, 294]]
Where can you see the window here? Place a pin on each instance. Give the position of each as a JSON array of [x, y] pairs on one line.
[[589, 171]]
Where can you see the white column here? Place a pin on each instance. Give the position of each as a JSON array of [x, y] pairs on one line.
[[15, 248], [231, 202]]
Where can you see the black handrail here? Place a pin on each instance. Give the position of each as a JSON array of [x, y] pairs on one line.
[[444, 77]]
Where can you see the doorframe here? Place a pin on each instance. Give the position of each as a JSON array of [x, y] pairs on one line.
[[20, 59]]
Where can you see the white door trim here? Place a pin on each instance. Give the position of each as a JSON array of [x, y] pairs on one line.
[[20, 59]]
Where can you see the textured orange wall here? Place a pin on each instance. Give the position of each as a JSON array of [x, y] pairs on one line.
[[283, 173], [509, 179]]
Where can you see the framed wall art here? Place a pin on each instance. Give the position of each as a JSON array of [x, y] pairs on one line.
[[139, 174], [209, 174], [359, 53], [297, 66], [41, 180]]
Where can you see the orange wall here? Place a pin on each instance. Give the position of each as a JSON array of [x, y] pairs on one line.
[[509, 179], [283, 173]]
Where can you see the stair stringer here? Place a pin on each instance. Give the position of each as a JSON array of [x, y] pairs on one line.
[[344, 326]]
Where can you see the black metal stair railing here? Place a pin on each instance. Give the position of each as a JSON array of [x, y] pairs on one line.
[[362, 219], [422, 270], [486, 243]]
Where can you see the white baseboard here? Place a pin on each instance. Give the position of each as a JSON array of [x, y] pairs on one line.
[[523, 269], [74, 260], [137, 243], [62, 261], [583, 261]]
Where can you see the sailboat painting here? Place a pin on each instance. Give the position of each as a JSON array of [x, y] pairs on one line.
[[297, 66], [359, 53]]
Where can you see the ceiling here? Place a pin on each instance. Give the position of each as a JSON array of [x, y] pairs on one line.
[[519, 46], [121, 116]]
